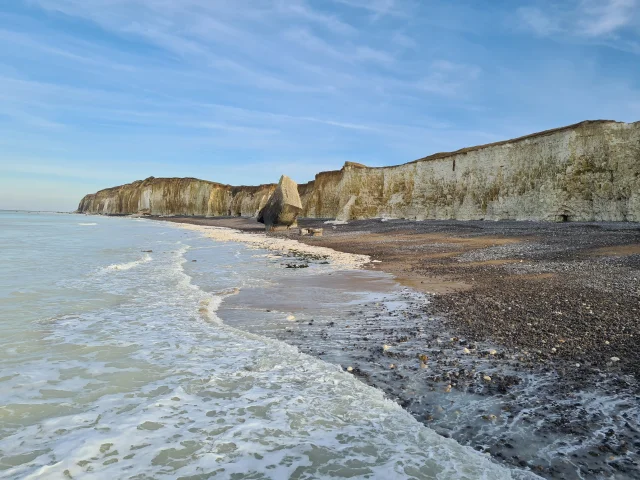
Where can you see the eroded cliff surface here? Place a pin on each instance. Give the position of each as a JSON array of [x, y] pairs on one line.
[[177, 196], [584, 172]]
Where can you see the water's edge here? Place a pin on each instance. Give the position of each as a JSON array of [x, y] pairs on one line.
[[497, 400], [114, 364]]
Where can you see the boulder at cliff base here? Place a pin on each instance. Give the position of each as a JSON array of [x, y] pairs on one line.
[[283, 207]]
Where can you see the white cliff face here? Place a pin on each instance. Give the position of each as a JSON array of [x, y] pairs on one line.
[[585, 172], [177, 196]]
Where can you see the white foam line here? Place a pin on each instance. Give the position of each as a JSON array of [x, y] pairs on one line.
[[129, 265], [285, 246]]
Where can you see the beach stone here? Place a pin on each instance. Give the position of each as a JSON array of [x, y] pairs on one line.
[[283, 207]]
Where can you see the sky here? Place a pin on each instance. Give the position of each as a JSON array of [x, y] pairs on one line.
[[96, 93]]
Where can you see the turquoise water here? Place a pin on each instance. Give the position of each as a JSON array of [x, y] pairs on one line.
[[114, 364]]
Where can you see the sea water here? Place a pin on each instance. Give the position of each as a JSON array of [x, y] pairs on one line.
[[114, 364]]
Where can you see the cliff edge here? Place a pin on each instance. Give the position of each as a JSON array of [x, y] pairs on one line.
[[589, 171], [177, 196]]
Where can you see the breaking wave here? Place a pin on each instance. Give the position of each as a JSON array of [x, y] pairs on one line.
[[128, 265]]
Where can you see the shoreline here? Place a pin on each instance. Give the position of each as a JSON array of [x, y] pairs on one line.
[[578, 396], [284, 246], [539, 286], [458, 271]]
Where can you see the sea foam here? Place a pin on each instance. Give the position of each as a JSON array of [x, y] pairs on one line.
[[152, 386], [128, 265]]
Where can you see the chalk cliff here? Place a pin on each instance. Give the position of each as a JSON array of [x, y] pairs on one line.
[[177, 196], [584, 172]]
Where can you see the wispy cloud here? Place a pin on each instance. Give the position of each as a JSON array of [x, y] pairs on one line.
[[403, 40], [448, 78], [378, 8], [583, 18], [539, 22], [371, 54], [344, 53], [302, 10], [191, 87], [31, 120], [604, 17], [225, 127]]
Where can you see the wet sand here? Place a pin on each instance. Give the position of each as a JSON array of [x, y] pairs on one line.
[[549, 312], [572, 287]]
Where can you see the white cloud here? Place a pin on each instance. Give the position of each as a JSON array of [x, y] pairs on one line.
[[31, 120], [583, 18], [403, 40], [345, 53], [371, 54], [378, 8], [225, 127], [303, 37], [331, 22], [539, 22], [191, 86], [334, 123], [194, 30], [448, 78], [603, 17]]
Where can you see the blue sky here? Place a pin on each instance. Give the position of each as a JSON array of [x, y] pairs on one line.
[[95, 93]]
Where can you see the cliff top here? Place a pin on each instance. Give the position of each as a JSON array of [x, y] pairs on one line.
[[441, 155], [152, 180], [437, 156], [433, 157]]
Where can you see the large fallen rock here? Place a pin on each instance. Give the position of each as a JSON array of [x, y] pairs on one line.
[[283, 207]]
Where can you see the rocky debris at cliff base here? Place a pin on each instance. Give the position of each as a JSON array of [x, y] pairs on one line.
[[283, 207], [499, 401], [539, 389], [540, 286]]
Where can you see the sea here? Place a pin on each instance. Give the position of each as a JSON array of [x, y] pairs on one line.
[[115, 364]]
